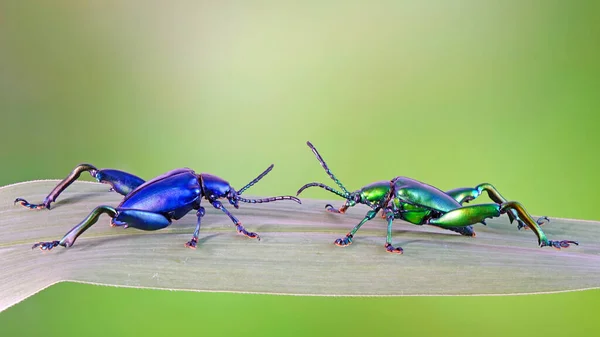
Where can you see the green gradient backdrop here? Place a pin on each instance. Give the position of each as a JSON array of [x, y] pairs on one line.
[[454, 93]]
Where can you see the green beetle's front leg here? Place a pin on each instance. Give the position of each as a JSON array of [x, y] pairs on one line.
[[341, 210], [469, 215], [348, 239], [466, 194]]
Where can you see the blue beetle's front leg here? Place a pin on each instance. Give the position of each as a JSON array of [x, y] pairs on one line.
[[194, 241], [238, 225], [121, 182]]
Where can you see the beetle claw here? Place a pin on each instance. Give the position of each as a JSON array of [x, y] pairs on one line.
[[45, 245], [25, 203], [540, 221], [330, 208], [391, 249], [345, 241], [560, 244], [192, 243], [243, 231]]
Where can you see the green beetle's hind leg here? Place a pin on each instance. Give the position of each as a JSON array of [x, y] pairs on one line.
[[463, 194], [534, 226], [468, 215], [466, 194]]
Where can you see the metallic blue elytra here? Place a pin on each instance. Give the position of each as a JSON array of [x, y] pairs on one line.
[[176, 191], [153, 204]]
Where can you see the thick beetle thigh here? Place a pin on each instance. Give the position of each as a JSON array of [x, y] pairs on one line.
[[122, 182], [143, 220], [467, 215], [463, 194]]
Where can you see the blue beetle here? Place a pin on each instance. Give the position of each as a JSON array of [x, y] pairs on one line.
[[154, 204]]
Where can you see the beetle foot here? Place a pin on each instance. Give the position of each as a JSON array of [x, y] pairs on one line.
[[25, 203], [391, 249], [559, 244], [46, 245], [243, 231], [192, 243], [330, 208], [345, 241], [540, 221]]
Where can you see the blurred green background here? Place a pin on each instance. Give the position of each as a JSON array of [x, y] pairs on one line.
[[453, 93]]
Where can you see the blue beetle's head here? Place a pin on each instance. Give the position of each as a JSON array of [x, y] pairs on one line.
[[233, 197], [216, 188]]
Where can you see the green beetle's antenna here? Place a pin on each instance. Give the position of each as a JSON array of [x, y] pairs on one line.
[[321, 186], [314, 150], [255, 180]]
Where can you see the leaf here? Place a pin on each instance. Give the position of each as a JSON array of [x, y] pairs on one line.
[[295, 256]]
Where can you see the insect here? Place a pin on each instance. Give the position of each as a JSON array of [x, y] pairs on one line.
[[422, 204], [153, 204]]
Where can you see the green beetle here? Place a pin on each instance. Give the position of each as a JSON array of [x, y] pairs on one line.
[[422, 204]]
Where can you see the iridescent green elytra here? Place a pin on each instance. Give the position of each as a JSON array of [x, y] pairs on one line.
[[420, 204]]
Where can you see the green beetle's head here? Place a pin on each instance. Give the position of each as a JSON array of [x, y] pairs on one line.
[[354, 198]]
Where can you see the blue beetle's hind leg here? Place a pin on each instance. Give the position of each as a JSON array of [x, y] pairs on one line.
[[238, 225], [120, 217], [121, 182], [60, 187], [144, 220], [343, 242], [194, 241], [466, 194], [71, 236]]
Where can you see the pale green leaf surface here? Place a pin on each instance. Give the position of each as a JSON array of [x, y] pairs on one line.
[[295, 256]]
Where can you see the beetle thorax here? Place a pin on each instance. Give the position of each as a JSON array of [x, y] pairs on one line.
[[214, 187], [376, 192]]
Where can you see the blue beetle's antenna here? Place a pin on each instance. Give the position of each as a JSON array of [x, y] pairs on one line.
[[260, 201], [255, 180]]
